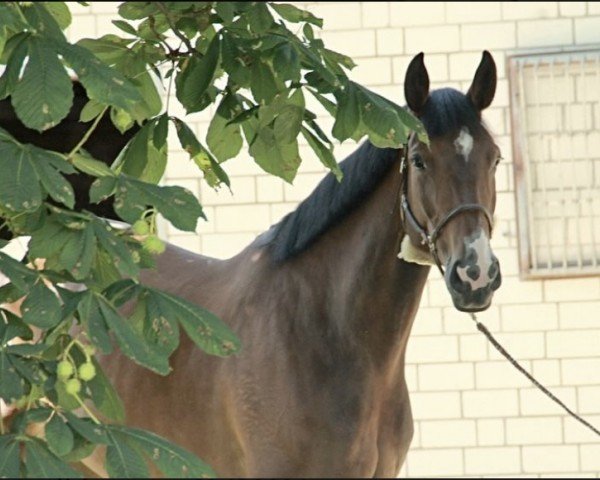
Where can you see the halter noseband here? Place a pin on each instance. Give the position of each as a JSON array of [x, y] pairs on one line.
[[407, 216]]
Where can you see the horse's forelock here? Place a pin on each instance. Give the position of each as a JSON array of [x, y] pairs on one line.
[[448, 110]]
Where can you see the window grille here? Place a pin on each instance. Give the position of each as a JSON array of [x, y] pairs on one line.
[[555, 114]]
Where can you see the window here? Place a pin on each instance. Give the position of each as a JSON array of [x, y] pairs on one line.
[[555, 114]]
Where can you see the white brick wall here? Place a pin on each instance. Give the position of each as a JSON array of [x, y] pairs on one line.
[[474, 414]]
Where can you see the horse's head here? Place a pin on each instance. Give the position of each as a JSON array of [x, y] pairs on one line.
[[449, 187]]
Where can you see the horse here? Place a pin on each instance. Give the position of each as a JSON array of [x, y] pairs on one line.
[[324, 305], [104, 144], [324, 302]]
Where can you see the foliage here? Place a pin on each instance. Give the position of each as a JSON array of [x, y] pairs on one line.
[[240, 57]]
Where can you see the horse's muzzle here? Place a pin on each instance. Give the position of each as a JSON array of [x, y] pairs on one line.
[[472, 290]]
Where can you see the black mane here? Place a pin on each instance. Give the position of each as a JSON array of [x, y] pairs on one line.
[[330, 201], [446, 110]]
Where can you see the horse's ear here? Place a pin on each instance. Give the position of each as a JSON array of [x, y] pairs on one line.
[[482, 90], [416, 84]]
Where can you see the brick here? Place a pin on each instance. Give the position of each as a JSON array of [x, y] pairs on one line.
[[571, 9], [535, 33], [473, 347], [269, 189], [390, 41], [242, 191], [532, 431], [448, 433], [521, 346], [83, 26], [280, 210], [523, 318], [572, 289], [428, 321], [225, 245], [590, 457], [523, 10], [411, 13], [593, 8], [492, 460], [435, 405], [490, 432], [490, 375], [437, 67], [550, 459], [432, 39], [432, 349], [463, 65], [586, 30], [580, 343], [496, 403], [411, 377], [589, 399], [191, 243], [546, 371], [449, 376], [304, 184], [358, 43], [534, 402], [375, 14], [105, 7], [575, 432], [489, 36], [242, 166], [472, 12], [516, 291], [242, 218], [438, 292], [373, 71], [459, 322], [338, 15], [443, 462], [579, 314]]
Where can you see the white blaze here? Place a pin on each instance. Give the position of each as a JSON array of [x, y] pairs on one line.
[[481, 245], [464, 143]]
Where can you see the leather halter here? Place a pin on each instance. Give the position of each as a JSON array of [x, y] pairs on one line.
[[407, 216]]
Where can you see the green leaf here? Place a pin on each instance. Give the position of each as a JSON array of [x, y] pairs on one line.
[[88, 429], [282, 160], [328, 104], [85, 163], [294, 14], [14, 327], [9, 456], [171, 460], [323, 152], [102, 83], [18, 47], [115, 247], [105, 397], [141, 159], [213, 172], [41, 463], [121, 119], [347, 117], [41, 308], [60, 12], [193, 81], [21, 276], [161, 132], [126, 27], [123, 461], [262, 82], [44, 95], [53, 182], [111, 49], [224, 138], [175, 203], [234, 60], [43, 22], [287, 124], [259, 18], [286, 62], [59, 436], [202, 326], [226, 11], [381, 120], [102, 188], [133, 344], [93, 320], [11, 386], [159, 327]]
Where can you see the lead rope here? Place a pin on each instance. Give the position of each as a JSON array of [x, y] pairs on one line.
[[483, 329]]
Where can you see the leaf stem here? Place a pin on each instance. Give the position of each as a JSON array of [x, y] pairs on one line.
[[179, 35], [87, 410], [87, 134]]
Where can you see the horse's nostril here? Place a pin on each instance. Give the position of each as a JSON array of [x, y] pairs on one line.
[[473, 272], [494, 269]]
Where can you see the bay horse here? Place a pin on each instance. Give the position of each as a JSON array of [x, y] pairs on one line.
[[324, 306]]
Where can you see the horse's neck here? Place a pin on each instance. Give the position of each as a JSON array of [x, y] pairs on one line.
[[371, 295]]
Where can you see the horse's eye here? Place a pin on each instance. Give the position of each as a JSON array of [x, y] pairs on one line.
[[418, 161], [499, 158]]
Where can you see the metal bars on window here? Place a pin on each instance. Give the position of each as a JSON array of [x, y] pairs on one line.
[[555, 114]]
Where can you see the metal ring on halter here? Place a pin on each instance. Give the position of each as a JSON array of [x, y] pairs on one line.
[[430, 239]]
